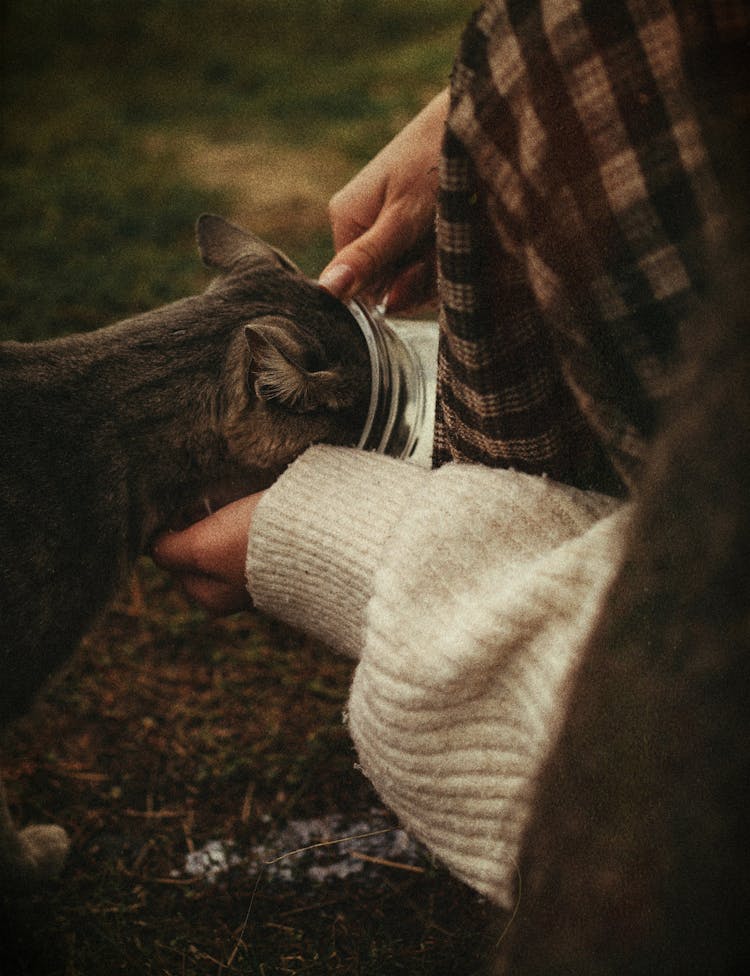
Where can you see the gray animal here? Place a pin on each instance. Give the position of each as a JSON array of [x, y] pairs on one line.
[[109, 437]]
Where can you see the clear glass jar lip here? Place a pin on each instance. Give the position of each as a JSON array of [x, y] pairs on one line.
[[396, 423], [366, 322]]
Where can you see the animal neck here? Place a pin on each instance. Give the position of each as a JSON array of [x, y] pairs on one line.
[[146, 393]]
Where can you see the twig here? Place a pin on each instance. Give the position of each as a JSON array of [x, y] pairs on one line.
[[274, 860], [143, 879], [154, 814], [518, 900], [386, 863], [329, 843]]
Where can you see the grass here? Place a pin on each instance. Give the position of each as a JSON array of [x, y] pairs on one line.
[[95, 222], [120, 124]]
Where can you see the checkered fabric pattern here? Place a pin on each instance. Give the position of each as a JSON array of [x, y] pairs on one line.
[[577, 206]]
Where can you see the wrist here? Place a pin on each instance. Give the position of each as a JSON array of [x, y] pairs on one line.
[[318, 537]]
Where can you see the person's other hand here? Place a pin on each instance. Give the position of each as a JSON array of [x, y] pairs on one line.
[[383, 220], [208, 558]]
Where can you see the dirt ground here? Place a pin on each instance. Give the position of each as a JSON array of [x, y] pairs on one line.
[[189, 759]]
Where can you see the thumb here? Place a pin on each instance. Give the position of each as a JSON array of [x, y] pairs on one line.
[[366, 259], [216, 546]]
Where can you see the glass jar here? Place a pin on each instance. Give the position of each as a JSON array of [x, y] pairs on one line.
[[403, 363]]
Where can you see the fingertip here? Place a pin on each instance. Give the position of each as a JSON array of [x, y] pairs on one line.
[[173, 550], [338, 280], [160, 548]]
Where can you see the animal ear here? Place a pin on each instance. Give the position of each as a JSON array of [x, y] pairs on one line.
[[221, 244], [287, 367]]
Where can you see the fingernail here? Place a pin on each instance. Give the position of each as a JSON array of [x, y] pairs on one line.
[[337, 279]]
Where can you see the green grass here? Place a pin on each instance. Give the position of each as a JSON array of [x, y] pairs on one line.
[[230, 727], [92, 224]]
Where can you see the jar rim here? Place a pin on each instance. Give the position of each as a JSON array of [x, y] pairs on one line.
[[396, 412], [365, 321]]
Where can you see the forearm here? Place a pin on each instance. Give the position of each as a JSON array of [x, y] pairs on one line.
[[317, 539], [322, 532], [460, 694], [467, 595]]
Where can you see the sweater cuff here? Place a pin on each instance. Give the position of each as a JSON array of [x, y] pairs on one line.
[[316, 540]]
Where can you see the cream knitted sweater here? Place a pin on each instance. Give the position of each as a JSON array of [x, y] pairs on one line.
[[466, 596]]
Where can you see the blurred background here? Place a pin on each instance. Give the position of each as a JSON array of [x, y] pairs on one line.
[[173, 736], [121, 122]]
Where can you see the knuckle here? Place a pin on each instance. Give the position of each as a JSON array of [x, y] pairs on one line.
[[369, 254]]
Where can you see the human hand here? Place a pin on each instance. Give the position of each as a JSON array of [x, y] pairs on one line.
[[208, 558], [383, 220]]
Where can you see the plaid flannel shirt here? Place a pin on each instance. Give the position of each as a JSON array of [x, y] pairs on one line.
[[578, 203]]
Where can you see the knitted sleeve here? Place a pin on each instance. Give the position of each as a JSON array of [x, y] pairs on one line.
[[466, 595]]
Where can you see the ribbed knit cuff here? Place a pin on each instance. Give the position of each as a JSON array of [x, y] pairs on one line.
[[317, 536]]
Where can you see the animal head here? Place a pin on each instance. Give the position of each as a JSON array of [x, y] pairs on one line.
[[297, 369], [111, 436]]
